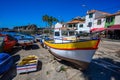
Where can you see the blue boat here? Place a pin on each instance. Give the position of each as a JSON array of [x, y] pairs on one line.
[[22, 38], [44, 38], [6, 61], [19, 35]]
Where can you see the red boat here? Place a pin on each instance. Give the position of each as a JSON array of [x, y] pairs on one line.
[[7, 42]]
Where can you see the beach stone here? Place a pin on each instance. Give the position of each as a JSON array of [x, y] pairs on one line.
[[58, 69]]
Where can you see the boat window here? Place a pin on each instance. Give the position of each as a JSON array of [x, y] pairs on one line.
[[57, 34]]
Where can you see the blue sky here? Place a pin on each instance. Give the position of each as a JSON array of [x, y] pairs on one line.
[[24, 12]]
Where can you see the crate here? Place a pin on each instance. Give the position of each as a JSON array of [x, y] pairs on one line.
[[28, 65], [26, 68]]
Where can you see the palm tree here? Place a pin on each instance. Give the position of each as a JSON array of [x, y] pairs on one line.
[[45, 18], [55, 19], [49, 19]]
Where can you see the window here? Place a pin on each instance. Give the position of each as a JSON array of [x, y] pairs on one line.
[[89, 24], [57, 34], [109, 19], [64, 33], [71, 33], [99, 22], [81, 25], [74, 25], [70, 25], [90, 15]]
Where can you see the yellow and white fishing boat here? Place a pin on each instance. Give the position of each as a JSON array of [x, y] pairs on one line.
[[76, 51], [79, 52]]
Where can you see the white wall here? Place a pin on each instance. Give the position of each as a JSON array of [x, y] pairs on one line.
[[87, 20], [83, 29], [117, 19], [94, 20], [99, 26], [58, 25]]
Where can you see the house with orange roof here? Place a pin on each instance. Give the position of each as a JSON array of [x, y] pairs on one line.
[[95, 20], [111, 19], [107, 20], [78, 24], [112, 24]]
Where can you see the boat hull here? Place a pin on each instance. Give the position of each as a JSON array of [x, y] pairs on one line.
[[80, 57], [6, 62], [80, 53]]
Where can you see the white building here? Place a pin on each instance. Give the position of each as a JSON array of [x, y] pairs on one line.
[[58, 25], [99, 22], [117, 18], [78, 24], [82, 28], [92, 19]]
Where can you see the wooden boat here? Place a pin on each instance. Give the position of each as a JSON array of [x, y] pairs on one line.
[[7, 42], [25, 42], [6, 61], [27, 64], [43, 38], [79, 52], [22, 38]]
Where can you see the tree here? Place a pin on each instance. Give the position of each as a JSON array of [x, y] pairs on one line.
[[49, 19], [45, 18]]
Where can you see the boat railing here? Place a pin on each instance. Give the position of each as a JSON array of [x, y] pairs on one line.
[[80, 39]]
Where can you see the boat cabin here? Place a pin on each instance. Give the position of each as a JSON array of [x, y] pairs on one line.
[[64, 35]]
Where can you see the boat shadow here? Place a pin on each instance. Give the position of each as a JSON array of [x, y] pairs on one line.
[[103, 69], [67, 63], [10, 74], [32, 47], [16, 58], [15, 50], [99, 69]]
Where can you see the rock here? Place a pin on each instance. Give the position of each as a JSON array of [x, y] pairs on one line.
[[58, 69]]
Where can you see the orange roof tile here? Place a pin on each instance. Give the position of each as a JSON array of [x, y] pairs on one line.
[[93, 11], [109, 15], [118, 13], [75, 21]]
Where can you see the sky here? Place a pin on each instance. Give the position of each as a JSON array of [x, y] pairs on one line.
[[24, 12]]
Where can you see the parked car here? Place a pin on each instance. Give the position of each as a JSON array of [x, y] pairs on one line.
[[7, 42]]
